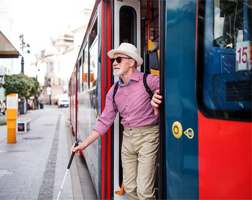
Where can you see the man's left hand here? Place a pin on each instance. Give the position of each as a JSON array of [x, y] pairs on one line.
[[155, 101]]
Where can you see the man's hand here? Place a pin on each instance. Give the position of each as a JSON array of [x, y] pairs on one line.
[[91, 138], [155, 101], [80, 146]]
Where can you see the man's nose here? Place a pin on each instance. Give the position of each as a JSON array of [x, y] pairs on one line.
[[115, 63]]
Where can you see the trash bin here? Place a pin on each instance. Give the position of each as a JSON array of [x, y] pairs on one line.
[[22, 107], [41, 105]]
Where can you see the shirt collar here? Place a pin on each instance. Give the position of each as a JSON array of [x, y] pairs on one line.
[[134, 77]]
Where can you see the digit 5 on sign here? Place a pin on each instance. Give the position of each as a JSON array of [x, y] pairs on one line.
[[242, 55]]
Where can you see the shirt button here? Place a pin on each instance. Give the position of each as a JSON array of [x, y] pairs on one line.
[[126, 105], [128, 123], [128, 115]]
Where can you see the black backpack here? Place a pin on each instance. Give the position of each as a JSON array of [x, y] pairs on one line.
[[148, 90]]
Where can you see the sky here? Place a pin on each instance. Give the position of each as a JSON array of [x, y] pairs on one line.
[[39, 20]]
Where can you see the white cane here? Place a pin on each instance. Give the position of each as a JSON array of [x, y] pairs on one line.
[[68, 167]]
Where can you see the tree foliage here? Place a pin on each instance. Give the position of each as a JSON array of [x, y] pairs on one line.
[[35, 86], [21, 84]]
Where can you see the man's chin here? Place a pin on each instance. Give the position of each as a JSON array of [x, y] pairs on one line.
[[117, 74]]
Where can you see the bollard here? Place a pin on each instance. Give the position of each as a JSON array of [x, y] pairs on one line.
[[11, 117]]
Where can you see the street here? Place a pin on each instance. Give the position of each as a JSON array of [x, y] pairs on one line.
[[34, 166]]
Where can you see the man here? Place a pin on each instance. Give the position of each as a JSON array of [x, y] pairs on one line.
[[140, 122]]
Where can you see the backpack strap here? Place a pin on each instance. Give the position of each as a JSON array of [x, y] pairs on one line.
[[114, 93], [148, 90]]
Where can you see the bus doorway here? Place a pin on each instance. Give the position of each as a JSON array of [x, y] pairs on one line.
[[135, 22]]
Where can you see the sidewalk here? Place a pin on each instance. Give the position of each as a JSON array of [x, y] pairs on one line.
[[34, 166]]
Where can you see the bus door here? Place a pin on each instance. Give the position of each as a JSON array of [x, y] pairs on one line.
[[126, 29], [136, 22], [178, 118]]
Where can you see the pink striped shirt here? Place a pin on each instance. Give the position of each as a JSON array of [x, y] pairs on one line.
[[133, 103]]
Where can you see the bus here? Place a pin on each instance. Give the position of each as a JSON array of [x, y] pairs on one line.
[[201, 51]]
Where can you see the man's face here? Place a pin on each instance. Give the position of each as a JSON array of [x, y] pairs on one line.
[[125, 63]]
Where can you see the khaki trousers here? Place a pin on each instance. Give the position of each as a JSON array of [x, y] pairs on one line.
[[139, 161]]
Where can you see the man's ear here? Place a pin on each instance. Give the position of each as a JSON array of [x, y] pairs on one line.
[[132, 62]]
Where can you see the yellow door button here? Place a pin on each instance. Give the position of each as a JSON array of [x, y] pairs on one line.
[[177, 129]]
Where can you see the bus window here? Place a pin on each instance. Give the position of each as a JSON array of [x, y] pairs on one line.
[[128, 25], [150, 36], [82, 71], [85, 69], [93, 51], [79, 76], [93, 34], [93, 63], [153, 63], [224, 68]]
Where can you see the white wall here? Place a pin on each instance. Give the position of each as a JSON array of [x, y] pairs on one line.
[[8, 66]]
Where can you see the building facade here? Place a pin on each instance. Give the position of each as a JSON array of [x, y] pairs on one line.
[[9, 64]]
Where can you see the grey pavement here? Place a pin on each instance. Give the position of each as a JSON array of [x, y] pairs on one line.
[[34, 166]]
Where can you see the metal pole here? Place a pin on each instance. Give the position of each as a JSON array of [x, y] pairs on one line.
[[22, 65], [49, 99], [22, 48]]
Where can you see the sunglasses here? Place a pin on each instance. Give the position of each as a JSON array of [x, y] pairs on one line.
[[118, 59]]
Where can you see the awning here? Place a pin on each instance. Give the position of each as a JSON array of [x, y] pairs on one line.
[[7, 49]]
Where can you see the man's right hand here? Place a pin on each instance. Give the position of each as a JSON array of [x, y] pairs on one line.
[[91, 138], [80, 146], [155, 101]]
